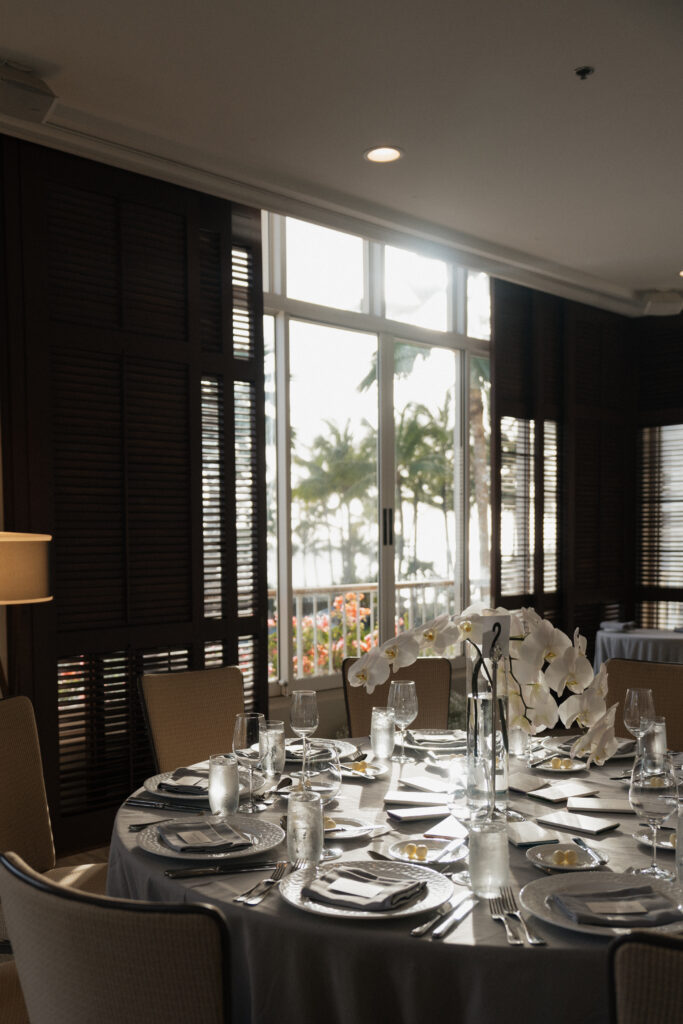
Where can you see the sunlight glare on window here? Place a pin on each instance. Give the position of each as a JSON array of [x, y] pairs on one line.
[[324, 266], [478, 305], [416, 289]]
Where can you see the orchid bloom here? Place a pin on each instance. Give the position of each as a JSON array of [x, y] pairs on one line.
[[369, 671], [471, 627], [543, 711], [599, 743], [543, 643], [571, 668], [439, 633], [589, 706], [518, 714], [400, 650]]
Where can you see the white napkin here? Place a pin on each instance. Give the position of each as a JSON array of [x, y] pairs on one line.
[[202, 836], [360, 889], [617, 627], [431, 739]]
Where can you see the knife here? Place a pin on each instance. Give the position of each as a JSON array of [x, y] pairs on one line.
[[458, 915], [593, 854], [451, 848], [447, 908], [162, 805], [216, 869]]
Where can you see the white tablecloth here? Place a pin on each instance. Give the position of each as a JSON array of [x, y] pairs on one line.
[[294, 967], [639, 645]]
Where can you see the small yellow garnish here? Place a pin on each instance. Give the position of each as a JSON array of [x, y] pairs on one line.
[[565, 858], [329, 822], [556, 762], [421, 852], [410, 850], [360, 766], [567, 762]]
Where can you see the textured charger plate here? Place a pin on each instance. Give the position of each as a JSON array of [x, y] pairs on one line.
[[534, 895], [264, 836], [439, 889]]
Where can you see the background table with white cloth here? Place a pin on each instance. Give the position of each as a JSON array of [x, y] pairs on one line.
[[295, 967], [639, 645]]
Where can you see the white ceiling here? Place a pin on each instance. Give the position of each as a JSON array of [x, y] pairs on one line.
[[509, 156]]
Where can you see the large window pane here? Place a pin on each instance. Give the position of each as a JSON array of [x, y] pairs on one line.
[[480, 480], [426, 445], [416, 289], [334, 494], [324, 266], [271, 491], [516, 506]]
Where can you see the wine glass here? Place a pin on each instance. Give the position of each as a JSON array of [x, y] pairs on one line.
[[653, 795], [248, 748], [639, 710], [403, 699], [303, 718]]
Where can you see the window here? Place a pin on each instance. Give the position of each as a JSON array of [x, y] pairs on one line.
[[372, 525], [661, 526]]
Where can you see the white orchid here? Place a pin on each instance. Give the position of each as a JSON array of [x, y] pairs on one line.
[[571, 668], [587, 707], [400, 650], [440, 633], [369, 671], [543, 643], [599, 743]]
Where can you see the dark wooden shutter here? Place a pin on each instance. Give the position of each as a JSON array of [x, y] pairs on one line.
[[136, 345], [660, 564]]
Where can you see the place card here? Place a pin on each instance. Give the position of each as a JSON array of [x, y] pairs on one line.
[[407, 796], [578, 822], [353, 887], [616, 907], [609, 805], [563, 791], [448, 828], [417, 813]]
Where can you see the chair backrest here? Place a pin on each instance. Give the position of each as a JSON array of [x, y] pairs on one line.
[[666, 683], [12, 1005], [433, 684], [88, 959], [24, 816], [191, 715], [646, 979]]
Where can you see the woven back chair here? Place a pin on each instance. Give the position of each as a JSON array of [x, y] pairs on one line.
[[646, 979], [432, 678], [24, 815], [97, 960], [666, 683], [191, 715]]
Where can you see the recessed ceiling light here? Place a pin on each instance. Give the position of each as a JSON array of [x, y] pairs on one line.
[[383, 154]]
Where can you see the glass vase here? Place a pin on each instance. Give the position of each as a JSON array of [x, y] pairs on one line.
[[487, 732]]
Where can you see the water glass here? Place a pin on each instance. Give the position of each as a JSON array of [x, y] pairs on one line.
[[224, 784], [247, 746], [383, 732], [273, 743], [305, 828], [639, 710], [489, 857]]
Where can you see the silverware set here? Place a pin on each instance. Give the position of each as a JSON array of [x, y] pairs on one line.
[[504, 907], [256, 893]]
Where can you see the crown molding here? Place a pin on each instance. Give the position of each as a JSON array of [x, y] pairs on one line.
[[81, 135]]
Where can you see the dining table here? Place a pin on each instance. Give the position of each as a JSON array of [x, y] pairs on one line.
[[291, 966], [660, 645]]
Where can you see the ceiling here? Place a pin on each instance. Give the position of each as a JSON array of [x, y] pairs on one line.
[[510, 158]]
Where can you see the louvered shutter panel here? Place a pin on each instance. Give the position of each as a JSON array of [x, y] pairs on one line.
[[146, 454], [660, 575]]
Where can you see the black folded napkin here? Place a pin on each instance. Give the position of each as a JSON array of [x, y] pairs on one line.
[[359, 889], [202, 836], [638, 906], [186, 781]]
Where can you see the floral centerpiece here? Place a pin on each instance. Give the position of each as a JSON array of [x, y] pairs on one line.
[[543, 665]]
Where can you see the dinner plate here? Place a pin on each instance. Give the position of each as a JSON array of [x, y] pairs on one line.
[[435, 848], [264, 836], [152, 786], [439, 889], [534, 895], [293, 749], [546, 766], [665, 840], [543, 857]]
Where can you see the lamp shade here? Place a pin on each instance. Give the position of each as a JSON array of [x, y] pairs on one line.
[[24, 568]]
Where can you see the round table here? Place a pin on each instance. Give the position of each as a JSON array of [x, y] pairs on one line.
[[294, 967]]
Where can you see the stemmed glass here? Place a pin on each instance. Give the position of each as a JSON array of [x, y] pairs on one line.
[[653, 795], [639, 710], [403, 699], [248, 747], [303, 718]]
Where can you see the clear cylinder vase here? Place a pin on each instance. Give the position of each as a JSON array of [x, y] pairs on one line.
[[487, 735]]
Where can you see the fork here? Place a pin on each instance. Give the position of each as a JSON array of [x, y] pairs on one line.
[[498, 914], [263, 885], [512, 910]]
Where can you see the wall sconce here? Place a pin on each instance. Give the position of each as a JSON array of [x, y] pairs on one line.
[[24, 574]]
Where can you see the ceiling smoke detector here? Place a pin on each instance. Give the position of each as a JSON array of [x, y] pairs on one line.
[[23, 94]]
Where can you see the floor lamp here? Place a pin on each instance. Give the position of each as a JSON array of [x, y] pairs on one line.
[[24, 575]]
